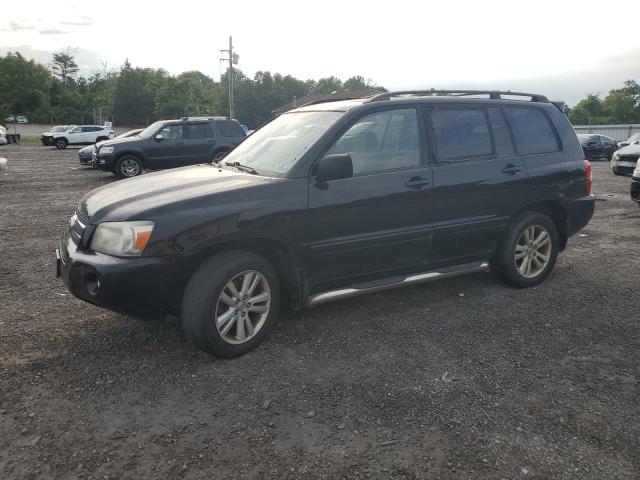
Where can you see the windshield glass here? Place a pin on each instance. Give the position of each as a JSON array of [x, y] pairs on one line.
[[58, 128], [277, 146], [151, 129]]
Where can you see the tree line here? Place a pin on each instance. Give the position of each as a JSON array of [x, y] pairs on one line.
[[56, 93], [620, 105]]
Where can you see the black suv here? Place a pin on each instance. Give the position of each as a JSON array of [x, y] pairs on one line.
[[333, 200], [170, 144]]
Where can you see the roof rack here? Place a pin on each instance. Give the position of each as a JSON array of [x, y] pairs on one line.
[[328, 100], [493, 94]]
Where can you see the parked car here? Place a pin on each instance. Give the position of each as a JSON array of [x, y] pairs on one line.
[[86, 154], [3, 135], [78, 135], [18, 119], [632, 139], [624, 160], [170, 144], [597, 147], [332, 200], [47, 137], [635, 184]]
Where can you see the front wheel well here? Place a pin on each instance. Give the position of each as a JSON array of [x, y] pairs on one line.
[[553, 210], [127, 154], [273, 251]]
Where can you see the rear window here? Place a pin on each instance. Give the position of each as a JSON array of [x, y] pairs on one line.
[[532, 130], [461, 133], [501, 135], [229, 128], [199, 130]]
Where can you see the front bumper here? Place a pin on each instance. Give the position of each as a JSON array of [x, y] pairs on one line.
[[635, 189], [579, 213], [624, 166], [103, 162], [137, 286], [86, 158], [46, 140]]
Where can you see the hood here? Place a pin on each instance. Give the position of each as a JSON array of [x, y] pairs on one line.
[[146, 196], [633, 149], [117, 141]]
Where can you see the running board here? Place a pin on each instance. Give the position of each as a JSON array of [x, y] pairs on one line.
[[394, 282]]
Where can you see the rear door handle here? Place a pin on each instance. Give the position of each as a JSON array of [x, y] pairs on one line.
[[416, 182], [511, 169], [212, 142], [179, 143]]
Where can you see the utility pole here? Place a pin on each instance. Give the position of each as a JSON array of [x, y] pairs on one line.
[[233, 60]]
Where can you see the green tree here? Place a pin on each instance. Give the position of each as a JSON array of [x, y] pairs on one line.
[[64, 65], [623, 105], [588, 111], [24, 86], [135, 92]]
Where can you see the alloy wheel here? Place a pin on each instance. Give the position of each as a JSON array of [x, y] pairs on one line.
[[533, 251], [129, 168], [243, 307]]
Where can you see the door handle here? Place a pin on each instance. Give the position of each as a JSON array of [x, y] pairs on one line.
[[511, 169], [179, 143], [212, 142], [416, 182]]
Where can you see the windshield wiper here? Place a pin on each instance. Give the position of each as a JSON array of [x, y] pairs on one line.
[[244, 168]]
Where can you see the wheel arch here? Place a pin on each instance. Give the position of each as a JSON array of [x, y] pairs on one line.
[[554, 210], [274, 251], [130, 153]]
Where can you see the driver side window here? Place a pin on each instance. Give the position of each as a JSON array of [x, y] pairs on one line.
[[382, 141], [171, 132]]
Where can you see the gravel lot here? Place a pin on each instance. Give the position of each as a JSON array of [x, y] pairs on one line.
[[465, 378]]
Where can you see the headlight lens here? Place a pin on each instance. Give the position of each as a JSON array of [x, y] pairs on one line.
[[614, 157], [636, 172], [106, 150], [122, 239]]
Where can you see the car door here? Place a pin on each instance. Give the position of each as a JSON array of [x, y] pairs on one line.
[[166, 149], [478, 181], [609, 146], [199, 143], [376, 223], [75, 135]]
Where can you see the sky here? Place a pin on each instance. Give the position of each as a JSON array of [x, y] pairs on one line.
[[561, 49]]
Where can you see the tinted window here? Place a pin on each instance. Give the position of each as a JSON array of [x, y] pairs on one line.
[[501, 135], [532, 130], [382, 141], [229, 128], [171, 132], [199, 130], [461, 133]]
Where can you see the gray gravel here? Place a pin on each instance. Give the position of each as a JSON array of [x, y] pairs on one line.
[[421, 382]]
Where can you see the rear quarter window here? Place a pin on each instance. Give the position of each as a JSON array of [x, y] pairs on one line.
[[229, 128], [461, 133], [532, 130]]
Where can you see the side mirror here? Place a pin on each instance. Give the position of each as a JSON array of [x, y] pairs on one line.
[[159, 137], [334, 167]]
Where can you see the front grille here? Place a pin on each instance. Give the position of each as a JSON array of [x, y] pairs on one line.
[[628, 158], [77, 224]]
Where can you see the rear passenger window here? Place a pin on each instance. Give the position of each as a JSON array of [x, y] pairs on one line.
[[229, 128], [532, 130], [199, 130], [461, 133], [501, 135]]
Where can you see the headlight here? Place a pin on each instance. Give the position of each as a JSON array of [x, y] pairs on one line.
[[614, 157], [122, 239], [636, 172], [106, 150]]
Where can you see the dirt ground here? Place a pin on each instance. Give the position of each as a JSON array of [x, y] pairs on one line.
[[464, 379]]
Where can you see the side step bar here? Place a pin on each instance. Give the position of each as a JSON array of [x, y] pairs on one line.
[[393, 282]]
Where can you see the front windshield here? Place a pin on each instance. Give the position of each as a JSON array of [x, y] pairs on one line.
[[277, 146], [151, 129], [58, 128]]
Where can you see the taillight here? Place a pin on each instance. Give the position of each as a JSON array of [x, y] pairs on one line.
[[587, 176]]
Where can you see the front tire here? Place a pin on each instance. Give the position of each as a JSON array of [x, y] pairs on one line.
[[61, 143], [231, 303], [128, 167], [529, 252]]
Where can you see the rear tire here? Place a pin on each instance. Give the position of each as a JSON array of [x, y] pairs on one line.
[[227, 324], [528, 253], [128, 166], [61, 143]]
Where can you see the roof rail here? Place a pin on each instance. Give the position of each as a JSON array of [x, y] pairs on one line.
[[493, 94], [327, 100]]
